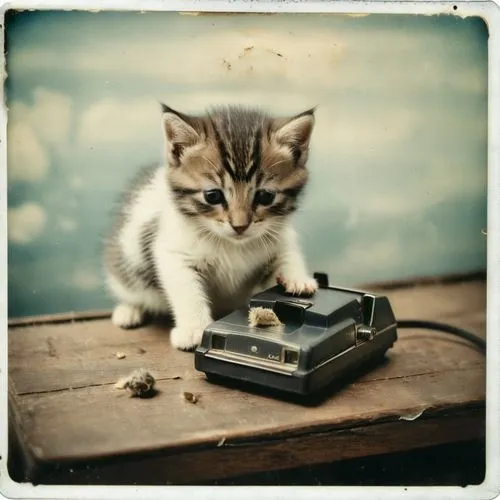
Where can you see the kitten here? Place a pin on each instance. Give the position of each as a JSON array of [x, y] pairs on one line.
[[197, 237]]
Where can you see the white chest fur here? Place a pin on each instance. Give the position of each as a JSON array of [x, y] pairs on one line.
[[230, 266], [229, 272], [230, 282], [200, 276]]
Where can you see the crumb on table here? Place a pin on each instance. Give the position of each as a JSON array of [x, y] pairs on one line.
[[190, 397], [140, 383]]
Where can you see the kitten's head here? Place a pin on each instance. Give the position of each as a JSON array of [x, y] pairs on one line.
[[237, 172]]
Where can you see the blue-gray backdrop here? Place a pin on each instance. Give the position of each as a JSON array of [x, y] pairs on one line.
[[399, 154]]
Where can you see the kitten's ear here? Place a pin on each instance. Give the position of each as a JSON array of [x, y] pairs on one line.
[[296, 132], [180, 132]]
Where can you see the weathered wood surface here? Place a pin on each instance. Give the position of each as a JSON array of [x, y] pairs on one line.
[[66, 408], [233, 458]]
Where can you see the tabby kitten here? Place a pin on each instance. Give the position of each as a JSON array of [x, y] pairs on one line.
[[197, 237]]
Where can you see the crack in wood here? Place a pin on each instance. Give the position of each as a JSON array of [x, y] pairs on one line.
[[471, 366], [87, 386]]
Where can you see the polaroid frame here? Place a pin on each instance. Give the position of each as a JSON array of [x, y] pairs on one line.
[[490, 488]]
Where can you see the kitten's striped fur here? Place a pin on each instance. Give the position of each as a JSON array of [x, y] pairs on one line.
[[198, 236]]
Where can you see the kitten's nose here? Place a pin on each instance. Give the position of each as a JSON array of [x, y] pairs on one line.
[[240, 229]]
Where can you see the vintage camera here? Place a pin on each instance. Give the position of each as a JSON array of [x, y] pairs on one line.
[[322, 339]]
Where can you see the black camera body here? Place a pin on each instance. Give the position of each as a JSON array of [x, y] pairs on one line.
[[322, 338]]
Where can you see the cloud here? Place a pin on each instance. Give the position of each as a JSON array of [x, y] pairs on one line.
[[27, 159], [31, 130], [86, 279], [26, 223], [116, 121], [439, 240], [384, 194], [76, 182], [345, 141], [305, 57], [113, 121], [50, 115], [66, 224], [363, 130], [229, 56]]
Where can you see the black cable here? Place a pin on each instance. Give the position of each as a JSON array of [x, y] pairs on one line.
[[443, 327]]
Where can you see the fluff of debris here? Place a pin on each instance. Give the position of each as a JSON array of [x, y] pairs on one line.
[[140, 383], [190, 397], [263, 316]]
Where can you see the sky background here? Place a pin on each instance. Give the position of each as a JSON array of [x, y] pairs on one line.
[[398, 157]]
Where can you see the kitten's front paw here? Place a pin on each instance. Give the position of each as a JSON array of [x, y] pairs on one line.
[[300, 286], [127, 316], [186, 338]]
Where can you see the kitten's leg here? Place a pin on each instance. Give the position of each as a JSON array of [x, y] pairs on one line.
[[134, 303], [187, 298], [292, 272], [127, 313], [127, 316]]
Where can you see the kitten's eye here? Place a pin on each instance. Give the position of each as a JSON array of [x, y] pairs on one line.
[[213, 196], [264, 197]]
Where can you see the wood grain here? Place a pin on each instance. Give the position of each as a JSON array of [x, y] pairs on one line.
[[66, 409], [230, 459], [101, 421], [55, 318]]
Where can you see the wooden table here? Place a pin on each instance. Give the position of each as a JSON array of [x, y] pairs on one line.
[[72, 426]]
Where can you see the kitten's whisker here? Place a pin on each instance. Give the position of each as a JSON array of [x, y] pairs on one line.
[[274, 233], [279, 162], [267, 244]]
